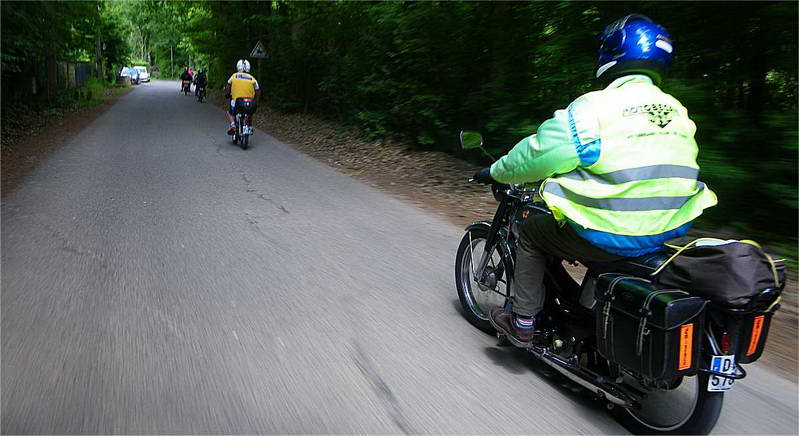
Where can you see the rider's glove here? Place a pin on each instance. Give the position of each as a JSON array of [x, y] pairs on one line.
[[483, 176]]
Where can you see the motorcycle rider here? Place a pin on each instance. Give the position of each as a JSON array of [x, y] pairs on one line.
[[200, 81], [620, 169], [240, 85], [185, 77]]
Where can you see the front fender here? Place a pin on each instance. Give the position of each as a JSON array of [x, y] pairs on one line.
[[479, 224]]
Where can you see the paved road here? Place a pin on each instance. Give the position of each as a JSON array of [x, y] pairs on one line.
[[157, 279]]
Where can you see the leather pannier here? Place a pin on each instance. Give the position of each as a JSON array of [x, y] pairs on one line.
[[746, 331], [752, 338], [653, 332]]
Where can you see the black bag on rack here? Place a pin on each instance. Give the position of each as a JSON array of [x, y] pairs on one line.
[[729, 273]]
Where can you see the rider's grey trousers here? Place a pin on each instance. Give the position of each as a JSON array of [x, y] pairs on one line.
[[541, 239]]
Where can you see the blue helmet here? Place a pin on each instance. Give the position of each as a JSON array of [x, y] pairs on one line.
[[634, 44]]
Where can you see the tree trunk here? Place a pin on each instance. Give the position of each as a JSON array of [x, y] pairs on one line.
[[98, 57], [52, 77]]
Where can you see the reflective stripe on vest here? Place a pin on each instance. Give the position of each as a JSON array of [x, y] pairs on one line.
[[635, 174], [620, 204]]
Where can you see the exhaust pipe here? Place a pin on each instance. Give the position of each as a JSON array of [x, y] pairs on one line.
[[579, 376]]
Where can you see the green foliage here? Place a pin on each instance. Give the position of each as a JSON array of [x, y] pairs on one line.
[[35, 30], [94, 90], [38, 33]]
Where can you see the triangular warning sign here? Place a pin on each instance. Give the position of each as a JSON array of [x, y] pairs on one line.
[[258, 52]]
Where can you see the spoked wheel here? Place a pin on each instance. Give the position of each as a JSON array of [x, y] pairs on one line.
[[476, 298], [688, 408]]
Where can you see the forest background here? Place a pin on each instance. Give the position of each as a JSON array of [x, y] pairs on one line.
[[418, 72]]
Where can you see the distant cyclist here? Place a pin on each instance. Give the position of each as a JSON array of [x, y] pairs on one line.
[[240, 85]]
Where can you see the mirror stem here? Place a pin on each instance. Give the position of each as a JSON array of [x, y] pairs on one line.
[[493, 159]]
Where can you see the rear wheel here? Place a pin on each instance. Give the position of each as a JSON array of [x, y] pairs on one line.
[[245, 142], [476, 298], [687, 409]]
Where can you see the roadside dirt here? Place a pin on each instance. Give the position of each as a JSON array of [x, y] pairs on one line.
[[438, 182], [27, 138]]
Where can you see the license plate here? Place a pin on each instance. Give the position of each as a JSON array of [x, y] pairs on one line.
[[725, 365]]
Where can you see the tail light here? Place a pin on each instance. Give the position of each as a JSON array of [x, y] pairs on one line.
[[725, 342]]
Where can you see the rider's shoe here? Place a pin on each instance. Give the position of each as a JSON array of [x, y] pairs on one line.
[[231, 131], [505, 324]]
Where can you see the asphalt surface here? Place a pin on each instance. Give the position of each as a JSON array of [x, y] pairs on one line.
[[158, 279]]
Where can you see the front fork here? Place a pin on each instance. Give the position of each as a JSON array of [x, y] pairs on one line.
[[479, 274]]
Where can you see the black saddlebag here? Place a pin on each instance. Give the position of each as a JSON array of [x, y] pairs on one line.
[[752, 338], [745, 330], [654, 332]]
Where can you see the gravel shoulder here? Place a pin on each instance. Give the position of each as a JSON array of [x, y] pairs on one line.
[[438, 182]]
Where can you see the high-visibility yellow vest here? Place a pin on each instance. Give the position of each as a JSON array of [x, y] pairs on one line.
[[644, 179]]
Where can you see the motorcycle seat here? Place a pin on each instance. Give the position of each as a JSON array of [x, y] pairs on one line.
[[642, 266]]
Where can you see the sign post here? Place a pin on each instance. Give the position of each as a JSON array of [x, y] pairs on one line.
[[258, 52]]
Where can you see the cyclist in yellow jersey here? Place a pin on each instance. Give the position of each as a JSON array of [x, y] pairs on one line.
[[240, 85]]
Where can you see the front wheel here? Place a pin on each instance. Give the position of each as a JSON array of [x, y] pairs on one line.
[[687, 409], [494, 291]]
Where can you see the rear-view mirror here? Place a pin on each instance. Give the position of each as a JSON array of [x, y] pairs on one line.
[[471, 139]]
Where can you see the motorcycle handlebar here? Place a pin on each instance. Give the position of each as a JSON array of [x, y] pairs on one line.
[[494, 184]]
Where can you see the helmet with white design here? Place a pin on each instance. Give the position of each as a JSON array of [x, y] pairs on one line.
[[634, 44], [243, 65]]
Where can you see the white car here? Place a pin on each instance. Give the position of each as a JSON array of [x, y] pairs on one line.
[[144, 76]]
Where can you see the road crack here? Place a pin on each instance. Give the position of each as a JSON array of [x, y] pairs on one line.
[[381, 388], [255, 224], [249, 188], [274, 203], [69, 247]]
